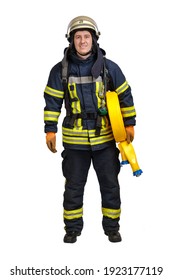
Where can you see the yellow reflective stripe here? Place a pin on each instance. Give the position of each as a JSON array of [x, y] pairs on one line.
[[99, 88], [51, 116], [75, 132], [128, 112], [105, 122], [85, 133], [73, 214], [106, 130], [54, 92], [78, 123], [111, 213], [122, 88], [75, 105], [88, 141], [75, 140], [101, 139], [86, 137]]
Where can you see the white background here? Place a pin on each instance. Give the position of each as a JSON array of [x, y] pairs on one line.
[[138, 36]]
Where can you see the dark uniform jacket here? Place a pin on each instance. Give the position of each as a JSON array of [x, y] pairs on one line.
[[85, 97]]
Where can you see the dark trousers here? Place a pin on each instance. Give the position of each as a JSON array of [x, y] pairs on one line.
[[75, 166]]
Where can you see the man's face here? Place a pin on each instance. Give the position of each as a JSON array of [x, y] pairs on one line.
[[83, 42]]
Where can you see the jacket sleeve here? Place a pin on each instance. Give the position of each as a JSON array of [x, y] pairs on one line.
[[123, 89], [53, 95]]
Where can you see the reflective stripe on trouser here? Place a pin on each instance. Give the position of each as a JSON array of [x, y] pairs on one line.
[[75, 166], [111, 219], [111, 213], [73, 214]]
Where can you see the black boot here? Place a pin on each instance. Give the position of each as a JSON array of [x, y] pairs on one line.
[[71, 236], [113, 236]]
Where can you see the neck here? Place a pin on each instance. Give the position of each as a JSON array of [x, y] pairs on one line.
[[84, 56]]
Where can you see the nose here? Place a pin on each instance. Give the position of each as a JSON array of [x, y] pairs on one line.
[[82, 39]]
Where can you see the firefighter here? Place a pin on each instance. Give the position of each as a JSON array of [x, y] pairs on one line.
[[81, 80]]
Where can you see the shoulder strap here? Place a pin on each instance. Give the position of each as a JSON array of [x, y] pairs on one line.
[[105, 75], [64, 64], [107, 79]]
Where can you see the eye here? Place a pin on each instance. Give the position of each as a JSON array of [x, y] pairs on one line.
[[87, 36]]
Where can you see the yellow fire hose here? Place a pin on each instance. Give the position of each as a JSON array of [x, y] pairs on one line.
[[127, 151]]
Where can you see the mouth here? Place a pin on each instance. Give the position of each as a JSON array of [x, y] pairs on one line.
[[83, 47]]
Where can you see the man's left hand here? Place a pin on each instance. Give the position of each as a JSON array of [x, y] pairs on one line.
[[130, 133]]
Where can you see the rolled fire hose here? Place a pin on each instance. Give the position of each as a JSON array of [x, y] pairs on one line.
[[127, 151]]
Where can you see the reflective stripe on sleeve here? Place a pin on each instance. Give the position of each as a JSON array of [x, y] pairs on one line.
[[128, 112], [51, 116], [122, 88], [54, 92]]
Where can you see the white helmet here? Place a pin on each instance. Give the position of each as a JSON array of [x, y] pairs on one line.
[[82, 22]]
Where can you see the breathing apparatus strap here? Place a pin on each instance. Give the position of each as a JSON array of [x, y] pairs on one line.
[[64, 63], [105, 82]]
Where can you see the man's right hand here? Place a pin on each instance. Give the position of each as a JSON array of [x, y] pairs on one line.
[[51, 141]]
